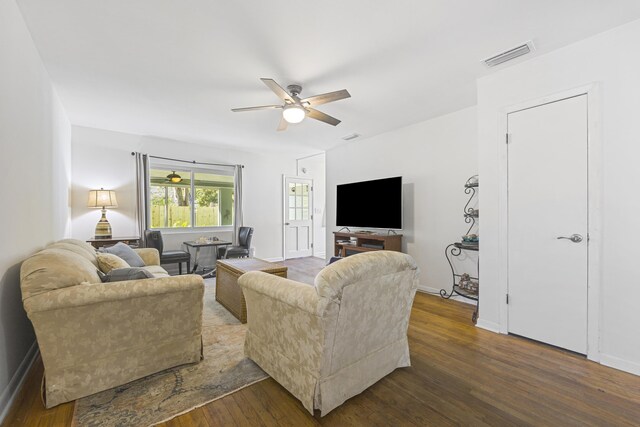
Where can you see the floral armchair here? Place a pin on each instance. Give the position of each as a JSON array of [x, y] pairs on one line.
[[329, 342]]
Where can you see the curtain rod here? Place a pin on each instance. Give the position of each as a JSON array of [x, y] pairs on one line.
[[133, 153]]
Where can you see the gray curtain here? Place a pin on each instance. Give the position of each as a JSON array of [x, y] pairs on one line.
[[237, 206], [142, 178]]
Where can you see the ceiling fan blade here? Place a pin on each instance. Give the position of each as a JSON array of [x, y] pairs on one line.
[[277, 89], [319, 115], [261, 107], [327, 97], [283, 125]]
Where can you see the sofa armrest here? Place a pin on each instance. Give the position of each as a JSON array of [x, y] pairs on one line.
[[97, 293], [150, 256]]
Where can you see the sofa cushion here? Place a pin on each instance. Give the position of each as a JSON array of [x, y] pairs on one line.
[[156, 271], [126, 253], [127, 273], [55, 268], [70, 245], [107, 262]]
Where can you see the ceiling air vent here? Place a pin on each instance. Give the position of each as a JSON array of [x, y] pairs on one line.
[[509, 54], [350, 136]]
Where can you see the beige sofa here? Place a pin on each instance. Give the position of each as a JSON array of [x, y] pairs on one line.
[[329, 342], [94, 336]]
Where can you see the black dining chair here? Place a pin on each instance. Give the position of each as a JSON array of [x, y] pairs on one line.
[[242, 249], [154, 240]]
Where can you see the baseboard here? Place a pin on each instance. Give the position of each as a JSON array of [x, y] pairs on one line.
[[276, 259], [10, 393], [428, 290], [322, 255], [433, 291], [620, 364], [487, 325]]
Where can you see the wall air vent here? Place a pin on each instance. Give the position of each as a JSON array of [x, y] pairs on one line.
[[350, 136], [509, 54]]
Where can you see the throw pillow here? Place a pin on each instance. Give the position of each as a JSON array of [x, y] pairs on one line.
[[126, 253], [123, 274], [107, 262]]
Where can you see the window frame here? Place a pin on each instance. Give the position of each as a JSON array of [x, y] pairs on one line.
[[191, 170]]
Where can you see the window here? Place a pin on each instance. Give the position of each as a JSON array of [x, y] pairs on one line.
[[298, 201], [196, 197]]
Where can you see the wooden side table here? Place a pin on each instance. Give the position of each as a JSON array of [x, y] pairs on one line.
[[229, 293], [99, 243], [365, 242]]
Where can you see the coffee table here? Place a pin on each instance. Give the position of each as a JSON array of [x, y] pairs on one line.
[[229, 293]]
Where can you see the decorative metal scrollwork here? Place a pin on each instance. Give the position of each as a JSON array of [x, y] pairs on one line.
[[464, 284], [455, 250], [470, 214]]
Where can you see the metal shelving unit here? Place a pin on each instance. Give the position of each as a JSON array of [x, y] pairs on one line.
[[465, 284]]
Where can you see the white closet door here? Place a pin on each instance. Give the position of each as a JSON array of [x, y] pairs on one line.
[[547, 179]]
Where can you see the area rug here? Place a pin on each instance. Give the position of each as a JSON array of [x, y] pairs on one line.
[[164, 395]]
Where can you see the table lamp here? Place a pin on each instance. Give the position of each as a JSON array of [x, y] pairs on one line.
[[102, 199]]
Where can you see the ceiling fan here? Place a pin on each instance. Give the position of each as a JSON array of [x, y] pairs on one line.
[[294, 109]]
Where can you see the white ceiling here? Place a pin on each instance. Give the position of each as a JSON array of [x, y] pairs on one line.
[[175, 68]]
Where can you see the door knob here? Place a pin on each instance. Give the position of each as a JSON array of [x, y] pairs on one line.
[[575, 238]]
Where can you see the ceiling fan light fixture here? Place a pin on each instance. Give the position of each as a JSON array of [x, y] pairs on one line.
[[294, 109], [293, 113], [174, 177]]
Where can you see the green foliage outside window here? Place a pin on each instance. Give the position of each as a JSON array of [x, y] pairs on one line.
[[173, 205]]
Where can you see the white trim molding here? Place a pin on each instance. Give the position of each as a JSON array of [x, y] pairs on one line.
[[10, 393], [489, 326], [620, 364], [595, 182]]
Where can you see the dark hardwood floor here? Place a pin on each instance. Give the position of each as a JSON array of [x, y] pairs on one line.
[[460, 375]]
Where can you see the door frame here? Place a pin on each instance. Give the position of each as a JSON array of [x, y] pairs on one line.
[[594, 208], [284, 214]]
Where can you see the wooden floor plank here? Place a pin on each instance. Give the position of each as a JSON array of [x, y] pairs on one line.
[[217, 414], [246, 406], [278, 402], [194, 418], [460, 375]]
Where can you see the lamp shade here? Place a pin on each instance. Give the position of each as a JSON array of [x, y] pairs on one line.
[[293, 113], [102, 198]]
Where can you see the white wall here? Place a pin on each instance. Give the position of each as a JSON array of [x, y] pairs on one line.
[[610, 59], [35, 154], [435, 158], [103, 158], [314, 167]]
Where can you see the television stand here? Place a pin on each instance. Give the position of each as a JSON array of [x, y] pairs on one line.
[[344, 245]]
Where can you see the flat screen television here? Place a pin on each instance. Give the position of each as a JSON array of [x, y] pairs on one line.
[[370, 204]]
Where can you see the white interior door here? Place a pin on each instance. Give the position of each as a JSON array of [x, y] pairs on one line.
[[547, 181], [298, 219]]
